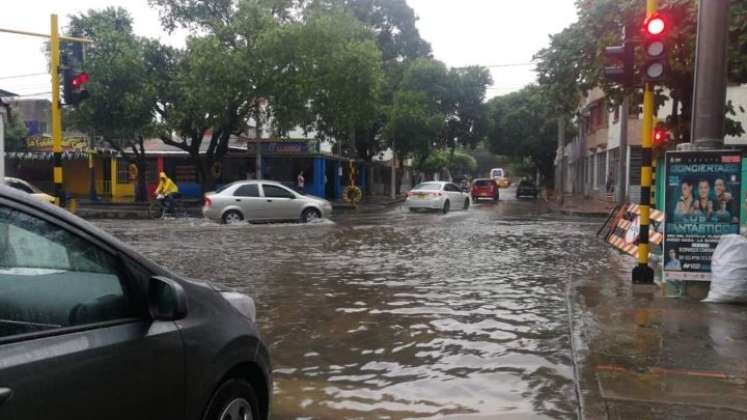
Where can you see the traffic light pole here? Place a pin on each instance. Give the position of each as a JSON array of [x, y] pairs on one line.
[[54, 41], [56, 114], [643, 274]]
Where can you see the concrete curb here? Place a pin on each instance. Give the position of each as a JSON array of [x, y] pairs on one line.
[[345, 206], [579, 213]]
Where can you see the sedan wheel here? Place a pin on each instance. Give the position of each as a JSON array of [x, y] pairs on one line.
[[310, 215], [238, 409], [232, 218], [447, 206], [235, 399], [466, 204]]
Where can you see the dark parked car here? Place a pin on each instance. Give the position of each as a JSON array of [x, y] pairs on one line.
[[527, 188], [89, 329], [485, 188]]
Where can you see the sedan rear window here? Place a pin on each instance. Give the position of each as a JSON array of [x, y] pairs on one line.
[[249, 190], [483, 183], [428, 186]]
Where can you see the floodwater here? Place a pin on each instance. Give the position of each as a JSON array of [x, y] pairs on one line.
[[389, 314]]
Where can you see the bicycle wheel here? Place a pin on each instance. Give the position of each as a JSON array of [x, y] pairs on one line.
[[155, 210]]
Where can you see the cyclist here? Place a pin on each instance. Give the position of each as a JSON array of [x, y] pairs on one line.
[[166, 192]]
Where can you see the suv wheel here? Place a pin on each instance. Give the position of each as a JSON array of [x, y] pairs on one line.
[[234, 400]]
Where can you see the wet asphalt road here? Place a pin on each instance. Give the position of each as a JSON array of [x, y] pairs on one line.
[[389, 314]]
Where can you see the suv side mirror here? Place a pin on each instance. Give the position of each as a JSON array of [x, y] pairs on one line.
[[166, 299]]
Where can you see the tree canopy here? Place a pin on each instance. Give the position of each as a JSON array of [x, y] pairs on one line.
[[524, 126]]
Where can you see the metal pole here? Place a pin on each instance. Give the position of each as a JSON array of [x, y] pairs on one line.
[[56, 117], [643, 274], [394, 171], [561, 151], [2, 143], [36, 34], [622, 165], [258, 160], [709, 98], [258, 139]]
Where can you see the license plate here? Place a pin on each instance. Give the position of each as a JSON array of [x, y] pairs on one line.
[[420, 195], [483, 194]]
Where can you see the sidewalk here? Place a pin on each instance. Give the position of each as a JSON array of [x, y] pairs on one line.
[[577, 205], [641, 355]]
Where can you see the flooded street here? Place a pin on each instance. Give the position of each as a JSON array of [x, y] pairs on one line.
[[389, 314]]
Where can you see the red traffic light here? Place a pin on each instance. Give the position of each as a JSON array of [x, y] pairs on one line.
[[661, 136], [80, 79], [656, 25]]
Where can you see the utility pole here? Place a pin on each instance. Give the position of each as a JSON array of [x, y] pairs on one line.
[[394, 170], [561, 160], [2, 143], [643, 274], [622, 165], [258, 142], [56, 113], [709, 98]]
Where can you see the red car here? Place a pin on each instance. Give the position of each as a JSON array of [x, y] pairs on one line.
[[485, 188]]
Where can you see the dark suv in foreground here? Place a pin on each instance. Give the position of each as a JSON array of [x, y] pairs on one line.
[[89, 329]]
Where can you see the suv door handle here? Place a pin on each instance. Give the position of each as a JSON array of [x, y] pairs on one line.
[[5, 394]]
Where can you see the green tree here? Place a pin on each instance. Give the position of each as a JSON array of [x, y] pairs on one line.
[[457, 95], [393, 25], [207, 92], [461, 163], [333, 69], [524, 127], [122, 100], [15, 133]]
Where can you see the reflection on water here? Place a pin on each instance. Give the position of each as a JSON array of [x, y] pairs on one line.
[[401, 315]]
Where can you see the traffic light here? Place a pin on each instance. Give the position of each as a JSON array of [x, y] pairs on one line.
[[655, 30], [623, 56], [661, 137], [73, 76]]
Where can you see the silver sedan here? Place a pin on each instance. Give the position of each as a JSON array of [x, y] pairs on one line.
[[262, 201]]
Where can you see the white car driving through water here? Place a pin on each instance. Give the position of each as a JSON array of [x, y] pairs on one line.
[[437, 195]]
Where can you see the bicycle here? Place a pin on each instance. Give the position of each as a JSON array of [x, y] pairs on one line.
[[156, 210]]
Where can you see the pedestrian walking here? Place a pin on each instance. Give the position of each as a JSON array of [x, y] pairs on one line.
[[300, 182], [610, 186]]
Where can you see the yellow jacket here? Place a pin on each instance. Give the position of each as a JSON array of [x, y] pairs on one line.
[[166, 186]]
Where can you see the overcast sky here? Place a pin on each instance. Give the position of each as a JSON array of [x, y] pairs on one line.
[[462, 32]]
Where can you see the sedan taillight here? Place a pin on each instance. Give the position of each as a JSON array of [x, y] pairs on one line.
[[208, 202]]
